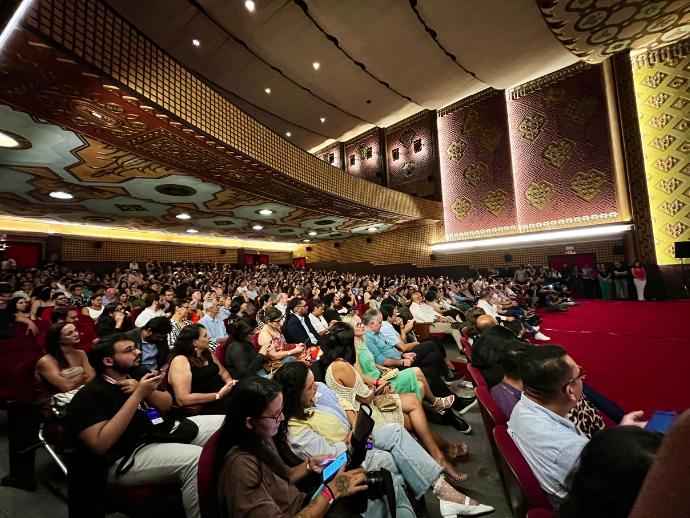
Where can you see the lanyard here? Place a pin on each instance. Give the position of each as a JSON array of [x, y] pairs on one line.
[[142, 406]]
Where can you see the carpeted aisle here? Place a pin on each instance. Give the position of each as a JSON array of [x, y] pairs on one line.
[[636, 353]]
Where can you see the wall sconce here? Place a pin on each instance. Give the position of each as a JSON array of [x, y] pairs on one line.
[[370, 152], [417, 145], [396, 153], [352, 159]]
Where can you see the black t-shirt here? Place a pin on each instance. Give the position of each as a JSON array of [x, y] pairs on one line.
[[99, 401], [331, 314]]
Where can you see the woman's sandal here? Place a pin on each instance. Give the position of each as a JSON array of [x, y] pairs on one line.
[[441, 404], [452, 476], [458, 452]]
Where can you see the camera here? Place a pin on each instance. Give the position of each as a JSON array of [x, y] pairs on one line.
[[379, 482]]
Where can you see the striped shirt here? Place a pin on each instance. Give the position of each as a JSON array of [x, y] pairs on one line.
[[550, 443]]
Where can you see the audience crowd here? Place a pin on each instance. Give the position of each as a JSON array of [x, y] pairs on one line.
[[143, 365]]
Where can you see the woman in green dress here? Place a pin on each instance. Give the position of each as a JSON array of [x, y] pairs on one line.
[[407, 381]]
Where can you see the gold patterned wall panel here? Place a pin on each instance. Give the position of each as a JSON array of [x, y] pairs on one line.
[[662, 87]]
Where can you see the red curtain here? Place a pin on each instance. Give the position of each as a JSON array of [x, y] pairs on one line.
[[27, 255], [299, 262]]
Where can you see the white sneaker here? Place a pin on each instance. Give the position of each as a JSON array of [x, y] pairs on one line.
[[536, 328], [448, 509], [542, 337]]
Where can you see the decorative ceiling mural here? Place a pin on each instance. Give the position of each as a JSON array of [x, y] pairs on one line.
[[114, 187]]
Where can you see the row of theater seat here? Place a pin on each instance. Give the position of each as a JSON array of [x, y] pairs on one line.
[[524, 494]]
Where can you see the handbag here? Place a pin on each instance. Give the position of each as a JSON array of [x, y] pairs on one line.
[[389, 374], [386, 402], [181, 431]]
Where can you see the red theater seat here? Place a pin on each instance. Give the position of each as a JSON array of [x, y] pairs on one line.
[[206, 480], [522, 488], [476, 375]]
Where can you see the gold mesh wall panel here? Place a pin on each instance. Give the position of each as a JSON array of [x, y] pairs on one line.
[[662, 86]]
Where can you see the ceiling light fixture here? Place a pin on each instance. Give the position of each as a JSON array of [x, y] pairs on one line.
[[61, 195], [183, 215], [196, 42], [96, 114], [257, 227], [192, 231], [250, 5], [8, 141], [265, 212], [316, 65], [372, 229], [534, 238], [306, 240], [18, 14], [313, 233], [288, 134], [323, 119], [267, 90]]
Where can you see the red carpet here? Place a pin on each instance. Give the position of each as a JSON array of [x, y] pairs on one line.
[[636, 353]]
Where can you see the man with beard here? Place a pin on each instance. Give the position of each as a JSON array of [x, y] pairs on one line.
[[113, 415]]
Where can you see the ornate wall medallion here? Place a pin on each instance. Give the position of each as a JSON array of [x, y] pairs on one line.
[[558, 153], [456, 150], [461, 208], [587, 185], [495, 201], [531, 127], [474, 173], [539, 193]]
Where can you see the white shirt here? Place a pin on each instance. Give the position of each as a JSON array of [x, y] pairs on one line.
[[488, 308], [423, 313], [281, 307], [312, 338], [319, 323], [549, 443], [146, 315]]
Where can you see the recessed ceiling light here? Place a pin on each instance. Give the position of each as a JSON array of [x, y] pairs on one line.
[[196, 42], [372, 229], [316, 65], [192, 231], [250, 5], [267, 90], [306, 240], [257, 227], [183, 215], [265, 212], [323, 119], [313, 233], [96, 114], [8, 141], [61, 195], [288, 134]]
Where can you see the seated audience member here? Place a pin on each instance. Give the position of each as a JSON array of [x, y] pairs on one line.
[[330, 312], [490, 309], [87, 333], [375, 299], [63, 368], [491, 346], [669, 477], [425, 314], [281, 303], [550, 443], [153, 309], [114, 415], [78, 299], [196, 376], [554, 302], [113, 320], [95, 309], [471, 320], [241, 359], [60, 300], [507, 393], [110, 295], [18, 311], [344, 378], [316, 424], [297, 327], [214, 323], [178, 320], [152, 339], [254, 481], [318, 322], [272, 340], [610, 473], [442, 305], [369, 345]]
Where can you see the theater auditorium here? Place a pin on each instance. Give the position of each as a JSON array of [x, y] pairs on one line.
[[337, 258]]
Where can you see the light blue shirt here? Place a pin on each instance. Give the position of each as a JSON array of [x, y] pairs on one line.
[[550, 443], [389, 334], [149, 355], [214, 327], [380, 348]]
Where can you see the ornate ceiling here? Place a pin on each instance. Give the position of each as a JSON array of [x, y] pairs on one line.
[[384, 60]]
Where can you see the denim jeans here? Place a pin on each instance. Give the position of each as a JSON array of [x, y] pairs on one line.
[[377, 459], [416, 466]]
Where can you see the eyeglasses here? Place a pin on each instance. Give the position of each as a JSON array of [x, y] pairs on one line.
[[359, 324], [129, 349], [582, 376], [274, 417]]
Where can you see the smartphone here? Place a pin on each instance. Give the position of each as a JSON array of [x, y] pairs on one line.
[[333, 468], [661, 421]]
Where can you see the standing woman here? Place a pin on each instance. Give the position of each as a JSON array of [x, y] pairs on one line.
[[605, 281], [639, 279]]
